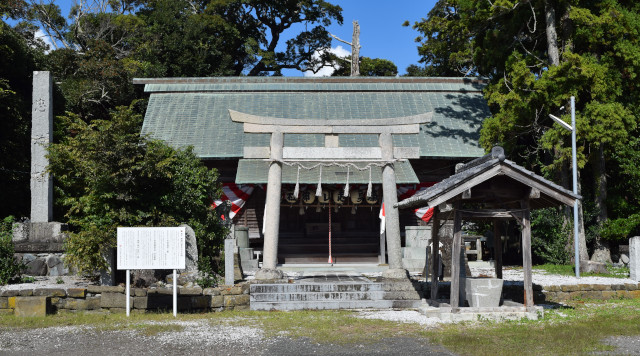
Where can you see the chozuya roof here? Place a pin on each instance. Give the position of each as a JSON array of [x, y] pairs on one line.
[[483, 169], [195, 111]]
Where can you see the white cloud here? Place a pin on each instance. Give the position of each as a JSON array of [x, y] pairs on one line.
[[327, 71], [43, 36]]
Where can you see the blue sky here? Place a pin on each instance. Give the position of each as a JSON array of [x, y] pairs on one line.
[[381, 32]]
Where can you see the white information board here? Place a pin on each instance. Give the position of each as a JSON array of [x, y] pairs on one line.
[[151, 248]]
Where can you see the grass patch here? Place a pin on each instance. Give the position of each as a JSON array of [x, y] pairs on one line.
[[322, 326], [575, 330], [568, 270]]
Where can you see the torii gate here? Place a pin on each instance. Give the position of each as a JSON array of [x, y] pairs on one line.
[[278, 155]]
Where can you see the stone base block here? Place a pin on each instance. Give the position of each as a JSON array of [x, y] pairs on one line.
[[32, 306], [269, 274], [592, 267], [413, 265], [232, 301], [39, 236], [114, 300], [395, 273], [418, 253], [90, 303], [251, 265], [217, 301], [163, 301]]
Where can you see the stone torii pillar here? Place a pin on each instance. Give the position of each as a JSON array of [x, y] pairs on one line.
[[272, 210], [277, 154], [390, 199]]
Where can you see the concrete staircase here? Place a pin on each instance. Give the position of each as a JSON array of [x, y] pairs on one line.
[[337, 292]]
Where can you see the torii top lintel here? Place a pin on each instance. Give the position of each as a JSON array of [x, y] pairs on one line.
[[396, 125]]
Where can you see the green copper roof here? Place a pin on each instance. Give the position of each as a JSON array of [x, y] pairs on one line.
[[256, 171], [194, 111]]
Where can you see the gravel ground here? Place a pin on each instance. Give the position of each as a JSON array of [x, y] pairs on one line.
[[197, 338], [540, 277]]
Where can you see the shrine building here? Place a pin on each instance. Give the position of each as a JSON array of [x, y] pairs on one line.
[[307, 162]]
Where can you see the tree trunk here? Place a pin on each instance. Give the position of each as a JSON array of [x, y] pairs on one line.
[[552, 36], [602, 252], [567, 219]]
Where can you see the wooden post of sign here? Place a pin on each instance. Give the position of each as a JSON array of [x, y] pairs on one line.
[[175, 293], [128, 292]]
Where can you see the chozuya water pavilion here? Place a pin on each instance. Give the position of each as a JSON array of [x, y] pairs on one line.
[[308, 162]]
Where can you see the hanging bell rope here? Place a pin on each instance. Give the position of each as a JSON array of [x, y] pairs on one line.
[[330, 257], [319, 188], [369, 186], [296, 191], [346, 186]]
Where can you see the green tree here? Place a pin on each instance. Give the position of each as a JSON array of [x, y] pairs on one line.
[[110, 176], [535, 61], [18, 59], [369, 67], [197, 38]]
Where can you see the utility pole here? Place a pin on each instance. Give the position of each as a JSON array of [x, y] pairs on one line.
[[355, 49]]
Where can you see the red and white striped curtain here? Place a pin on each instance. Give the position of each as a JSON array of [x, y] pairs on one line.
[[407, 191], [236, 194]]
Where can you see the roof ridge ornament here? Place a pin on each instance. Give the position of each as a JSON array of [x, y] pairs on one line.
[[497, 152]]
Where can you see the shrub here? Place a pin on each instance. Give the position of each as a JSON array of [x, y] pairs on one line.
[[549, 236], [10, 269], [109, 176]]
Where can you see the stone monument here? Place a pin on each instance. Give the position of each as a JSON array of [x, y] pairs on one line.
[[634, 258], [41, 132], [39, 241]]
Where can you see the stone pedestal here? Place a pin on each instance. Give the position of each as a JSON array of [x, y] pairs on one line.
[[414, 254], [108, 276]]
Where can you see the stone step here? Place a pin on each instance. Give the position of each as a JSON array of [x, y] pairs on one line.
[[317, 296], [317, 305], [315, 288]]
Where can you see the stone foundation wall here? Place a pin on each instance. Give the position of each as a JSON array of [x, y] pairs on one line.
[[552, 294], [41, 301]]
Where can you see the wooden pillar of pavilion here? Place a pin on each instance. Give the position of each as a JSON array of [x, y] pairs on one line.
[[526, 253], [497, 247], [456, 245], [435, 253]]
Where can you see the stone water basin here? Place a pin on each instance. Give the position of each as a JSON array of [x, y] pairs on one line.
[[483, 292]]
